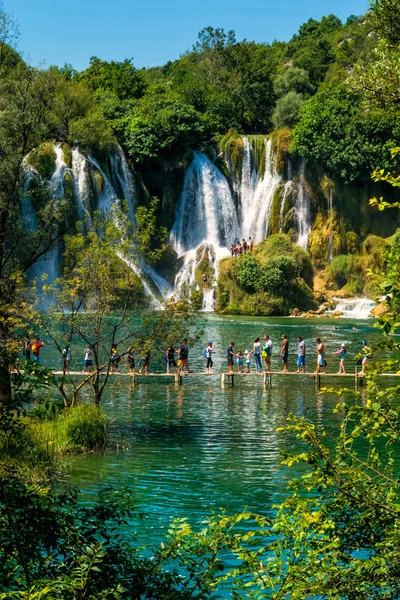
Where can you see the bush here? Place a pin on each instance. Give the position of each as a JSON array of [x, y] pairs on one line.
[[74, 430], [346, 269], [248, 273], [43, 160]]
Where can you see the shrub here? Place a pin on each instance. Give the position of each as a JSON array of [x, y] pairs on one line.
[[43, 160], [345, 269], [74, 430], [247, 272]]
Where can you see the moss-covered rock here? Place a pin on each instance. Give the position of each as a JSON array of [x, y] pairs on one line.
[[272, 280], [43, 160]]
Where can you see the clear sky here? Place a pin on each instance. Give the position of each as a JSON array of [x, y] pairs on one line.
[[154, 31]]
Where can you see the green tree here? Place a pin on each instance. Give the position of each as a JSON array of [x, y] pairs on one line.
[[287, 110], [336, 134]]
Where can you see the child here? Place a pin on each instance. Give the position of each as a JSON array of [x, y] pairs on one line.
[[247, 354], [342, 353], [239, 361]]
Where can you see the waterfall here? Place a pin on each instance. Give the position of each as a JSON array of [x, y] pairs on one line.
[[330, 215], [108, 198], [206, 210], [256, 209], [248, 178], [356, 308], [208, 220], [80, 178], [303, 212], [126, 181], [286, 190]]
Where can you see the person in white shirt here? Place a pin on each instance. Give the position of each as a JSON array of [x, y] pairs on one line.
[[301, 355]]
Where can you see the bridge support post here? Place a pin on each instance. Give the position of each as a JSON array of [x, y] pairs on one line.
[[223, 379]]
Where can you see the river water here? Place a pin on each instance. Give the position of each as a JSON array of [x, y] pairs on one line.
[[186, 451]]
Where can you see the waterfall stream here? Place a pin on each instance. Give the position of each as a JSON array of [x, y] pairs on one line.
[[303, 212]]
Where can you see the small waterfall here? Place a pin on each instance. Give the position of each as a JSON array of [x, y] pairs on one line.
[[257, 211], [303, 212], [108, 198], [248, 177], [126, 181], [206, 209], [355, 308], [330, 215], [287, 189], [80, 178]]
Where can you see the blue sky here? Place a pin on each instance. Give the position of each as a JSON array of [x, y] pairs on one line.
[[154, 31]]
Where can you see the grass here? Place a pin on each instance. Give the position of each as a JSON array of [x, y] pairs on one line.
[[31, 446], [75, 430]]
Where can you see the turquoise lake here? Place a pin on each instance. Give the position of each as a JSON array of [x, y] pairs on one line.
[[190, 450]]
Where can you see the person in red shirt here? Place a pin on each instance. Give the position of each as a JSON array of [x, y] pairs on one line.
[[36, 345]]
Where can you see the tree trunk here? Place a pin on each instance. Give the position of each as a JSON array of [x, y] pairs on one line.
[[5, 385]]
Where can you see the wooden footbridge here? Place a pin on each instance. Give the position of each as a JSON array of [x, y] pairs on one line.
[[227, 378]]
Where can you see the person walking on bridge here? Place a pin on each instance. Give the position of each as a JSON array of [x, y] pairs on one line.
[[321, 362], [285, 353], [301, 355], [183, 356]]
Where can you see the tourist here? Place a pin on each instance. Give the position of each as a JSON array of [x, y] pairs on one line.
[[88, 359], [36, 346], [67, 356], [230, 355], [250, 245], [244, 245], [130, 359], [247, 355], [204, 279], [285, 353], [342, 354], [335, 328], [239, 248], [115, 358], [170, 356], [301, 355], [321, 362], [239, 361], [367, 353], [27, 348], [208, 355], [183, 355], [295, 312], [145, 361], [257, 355], [267, 352]]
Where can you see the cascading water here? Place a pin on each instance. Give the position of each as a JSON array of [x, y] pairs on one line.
[[303, 212], [355, 308], [206, 209], [330, 214], [80, 177], [207, 218], [286, 191], [126, 181], [256, 209]]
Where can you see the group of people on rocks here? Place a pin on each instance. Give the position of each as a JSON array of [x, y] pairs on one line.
[[177, 360], [241, 247]]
